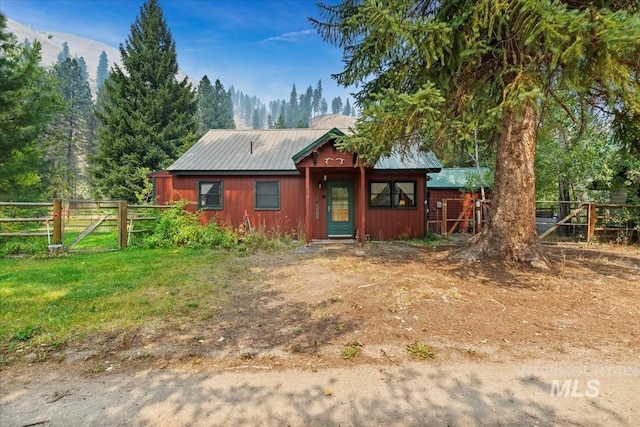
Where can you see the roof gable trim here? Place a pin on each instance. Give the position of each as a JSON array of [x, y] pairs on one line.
[[316, 144]]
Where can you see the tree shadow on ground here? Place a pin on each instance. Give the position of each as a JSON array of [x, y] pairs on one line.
[[402, 396]]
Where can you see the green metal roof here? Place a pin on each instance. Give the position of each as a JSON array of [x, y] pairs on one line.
[[454, 177]]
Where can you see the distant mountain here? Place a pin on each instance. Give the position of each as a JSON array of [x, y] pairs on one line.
[[52, 42], [330, 121]]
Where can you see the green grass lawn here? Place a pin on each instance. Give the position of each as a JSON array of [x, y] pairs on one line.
[[46, 301]]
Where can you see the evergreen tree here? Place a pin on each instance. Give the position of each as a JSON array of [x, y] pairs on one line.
[[317, 98], [102, 71], [27, 99], [256, 123], [336, 105], [71, 131], [347, 108], [147, 117], [82, 65], [281, 123], [205, 114], [64, 53], [305, 106], [292, 114], [215, 108], [324, 107], [446, 70], [270, 123], [224, 107]]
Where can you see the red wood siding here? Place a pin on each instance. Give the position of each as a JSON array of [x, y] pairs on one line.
[[163, 187], [388, 223], [239, 197]]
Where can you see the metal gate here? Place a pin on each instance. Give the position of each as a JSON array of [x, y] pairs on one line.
[[90, 225]]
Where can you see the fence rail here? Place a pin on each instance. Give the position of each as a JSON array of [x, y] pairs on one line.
[[575, 220], [67, 223]]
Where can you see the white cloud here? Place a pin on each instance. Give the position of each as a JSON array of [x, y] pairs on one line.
[[289, 37]]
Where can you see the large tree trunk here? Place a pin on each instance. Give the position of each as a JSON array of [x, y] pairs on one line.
[[511, 234]]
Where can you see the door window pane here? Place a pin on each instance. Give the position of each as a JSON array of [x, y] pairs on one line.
[[339, 204]]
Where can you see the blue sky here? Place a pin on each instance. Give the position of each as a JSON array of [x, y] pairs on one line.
[[262, 47]]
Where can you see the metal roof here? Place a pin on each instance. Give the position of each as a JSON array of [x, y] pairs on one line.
[[412, 160], [454, 177], [243, 151], [230, 150]]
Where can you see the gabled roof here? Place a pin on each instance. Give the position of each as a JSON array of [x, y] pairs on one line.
[[235, 151], [454, 177], [230, 150], [316, 144]]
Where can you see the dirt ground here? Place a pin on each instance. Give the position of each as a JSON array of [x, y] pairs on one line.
[[301, 313]]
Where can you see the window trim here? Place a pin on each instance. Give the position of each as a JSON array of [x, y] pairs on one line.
[[392, 185], [255, 195], [211, 207]]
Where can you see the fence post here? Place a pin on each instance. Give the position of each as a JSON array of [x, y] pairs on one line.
[[591, 217], [122, 224], [57, 221], [443, 226]]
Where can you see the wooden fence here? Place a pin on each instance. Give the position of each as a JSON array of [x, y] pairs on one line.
[[75, 218], [573, 220]]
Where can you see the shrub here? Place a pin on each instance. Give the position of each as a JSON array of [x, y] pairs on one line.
[[177, 226]]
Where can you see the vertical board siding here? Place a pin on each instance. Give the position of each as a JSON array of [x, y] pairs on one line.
[[387, 223], [239, 197]]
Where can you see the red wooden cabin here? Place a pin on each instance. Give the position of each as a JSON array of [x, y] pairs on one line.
[[291, 180]]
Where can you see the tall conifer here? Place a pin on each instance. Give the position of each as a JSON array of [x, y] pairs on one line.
[[147, 117]]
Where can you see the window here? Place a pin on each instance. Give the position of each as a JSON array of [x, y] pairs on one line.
[[404, 194], [380, 195], [392, 194], [267, 195], [210, 195]]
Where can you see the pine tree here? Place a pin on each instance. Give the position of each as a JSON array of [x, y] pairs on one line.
[[147, 117], [281, 123], [347, 108], [336, 105], [103, 70], [64, 53], [446, 70], [256, 123], [71, 126], [292, 113], [27, 100], [82, 66], [317, 98], [270, 123], [215, 108], [324, 107]]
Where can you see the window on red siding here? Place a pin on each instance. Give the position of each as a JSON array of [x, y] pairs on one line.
[[392, 194], [267, 195], [210, 195]]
